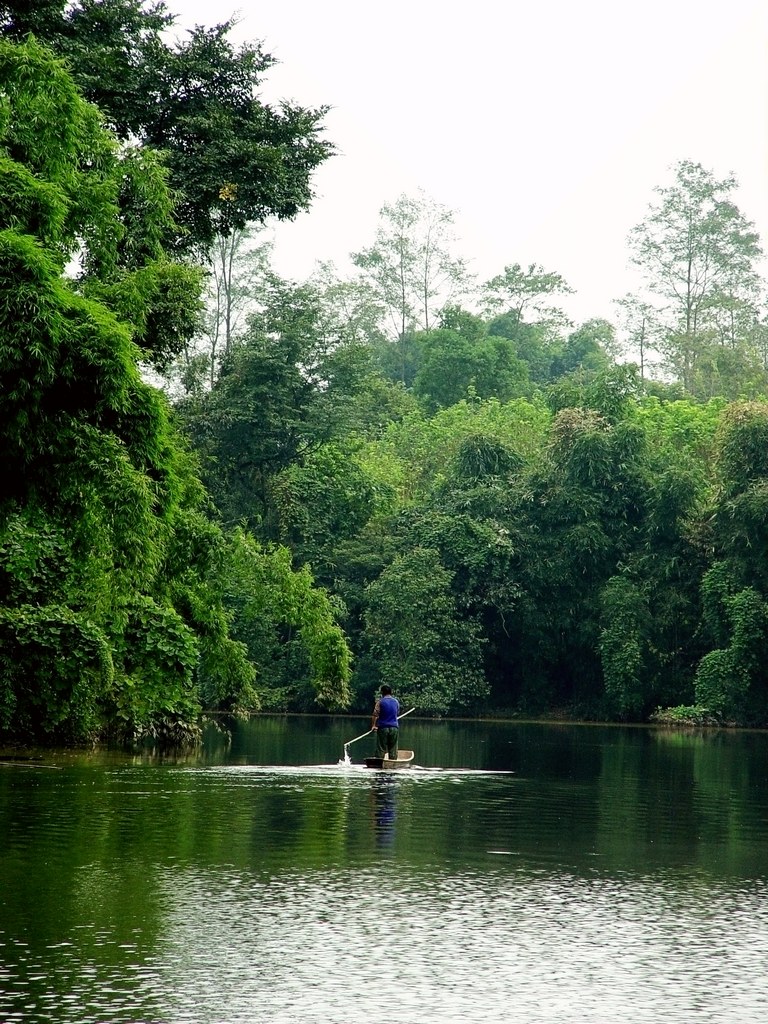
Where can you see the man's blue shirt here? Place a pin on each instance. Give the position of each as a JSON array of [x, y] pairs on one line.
[[389, 709]]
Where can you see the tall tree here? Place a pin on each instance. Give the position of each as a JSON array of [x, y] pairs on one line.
[[350, 310], [232, 158], [236, 279], [638, 322], [411, 265], [523, 304], [698, 254], [528, 294]]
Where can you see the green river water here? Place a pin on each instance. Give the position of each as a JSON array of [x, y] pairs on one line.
[[518, 872]]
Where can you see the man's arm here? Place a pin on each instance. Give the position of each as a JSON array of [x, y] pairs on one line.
[[375, 717]]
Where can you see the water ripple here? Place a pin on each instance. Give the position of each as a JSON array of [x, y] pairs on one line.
[[254, 894]]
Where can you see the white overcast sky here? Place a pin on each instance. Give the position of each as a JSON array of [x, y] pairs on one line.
[[544, 125]]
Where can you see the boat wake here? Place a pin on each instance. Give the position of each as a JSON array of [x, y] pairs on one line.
[[345, 769]]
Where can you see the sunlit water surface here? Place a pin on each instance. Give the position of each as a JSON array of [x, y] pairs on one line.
[[520, 873]]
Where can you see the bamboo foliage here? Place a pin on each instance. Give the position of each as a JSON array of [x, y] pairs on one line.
[[94, 475]]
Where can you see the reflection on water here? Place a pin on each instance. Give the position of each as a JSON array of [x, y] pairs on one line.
[[540, 947], [383, 793], [547, 874]]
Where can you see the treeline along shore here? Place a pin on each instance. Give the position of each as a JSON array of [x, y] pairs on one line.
[[224, 491]]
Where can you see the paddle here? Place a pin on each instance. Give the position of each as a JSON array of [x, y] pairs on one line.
[[363, 735]]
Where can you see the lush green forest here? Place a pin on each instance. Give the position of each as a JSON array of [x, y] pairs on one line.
[[227, 491]]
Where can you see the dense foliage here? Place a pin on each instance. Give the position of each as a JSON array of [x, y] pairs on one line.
[[359, 480], [232, 158], [513, 520], [116, 602]]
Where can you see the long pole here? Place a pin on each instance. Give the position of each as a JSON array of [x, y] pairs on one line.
[[362, 736]]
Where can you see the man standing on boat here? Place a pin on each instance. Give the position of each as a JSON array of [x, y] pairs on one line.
[[384, 723]]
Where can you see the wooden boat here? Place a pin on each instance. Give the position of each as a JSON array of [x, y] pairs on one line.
[[403, 759]]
